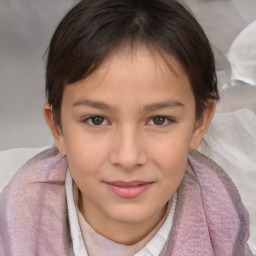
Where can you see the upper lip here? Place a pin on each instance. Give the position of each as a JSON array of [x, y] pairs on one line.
[[128, 184]]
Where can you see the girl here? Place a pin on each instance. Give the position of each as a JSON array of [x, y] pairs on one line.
[[131, 89]]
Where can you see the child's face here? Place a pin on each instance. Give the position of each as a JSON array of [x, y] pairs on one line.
[[126, 131]]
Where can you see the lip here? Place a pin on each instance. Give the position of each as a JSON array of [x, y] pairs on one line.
[[130, 189]]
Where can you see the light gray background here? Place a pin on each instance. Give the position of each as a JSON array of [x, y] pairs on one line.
[[25, 30]]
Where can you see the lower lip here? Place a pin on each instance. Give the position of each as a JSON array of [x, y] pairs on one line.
[[129, 192]]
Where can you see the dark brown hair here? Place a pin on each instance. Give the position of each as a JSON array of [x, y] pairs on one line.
[[93, 29]]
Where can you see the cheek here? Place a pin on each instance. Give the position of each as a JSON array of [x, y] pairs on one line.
[[172, 149], [170, 157], [171, 163], [85, 153], [172, 160]]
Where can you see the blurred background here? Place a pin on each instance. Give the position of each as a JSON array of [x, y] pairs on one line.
[[26, 27]]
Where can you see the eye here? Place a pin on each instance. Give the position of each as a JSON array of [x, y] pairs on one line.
[[96, 121], [160, 121]]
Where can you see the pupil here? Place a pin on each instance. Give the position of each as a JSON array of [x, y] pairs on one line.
[[159, 120], [97, 120]]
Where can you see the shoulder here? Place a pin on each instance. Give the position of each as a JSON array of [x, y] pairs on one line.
[[34, 197], [212, 179], [222, 204], [46, 168], [209, 205], [203, 168]]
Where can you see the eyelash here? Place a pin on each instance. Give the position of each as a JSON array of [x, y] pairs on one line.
[[167, 120], [89, 119]]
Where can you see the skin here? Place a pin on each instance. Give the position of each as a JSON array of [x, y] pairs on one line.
[[127, 143]]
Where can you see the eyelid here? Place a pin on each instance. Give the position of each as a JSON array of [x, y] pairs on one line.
[[167, 118], [88, 121]]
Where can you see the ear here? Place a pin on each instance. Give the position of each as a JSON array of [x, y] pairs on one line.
[[202, 124], [55, 129]]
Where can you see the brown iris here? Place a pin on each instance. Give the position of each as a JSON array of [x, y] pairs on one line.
[[159, 120], [97, 120]]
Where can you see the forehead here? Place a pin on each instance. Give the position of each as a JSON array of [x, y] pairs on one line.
[[129, 72]]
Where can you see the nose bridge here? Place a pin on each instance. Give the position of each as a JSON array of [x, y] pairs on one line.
[[128, 151]]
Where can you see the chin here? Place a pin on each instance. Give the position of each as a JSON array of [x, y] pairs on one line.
[[132, 214]]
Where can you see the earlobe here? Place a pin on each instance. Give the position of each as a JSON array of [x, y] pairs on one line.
[[55, 129], [202, 124]]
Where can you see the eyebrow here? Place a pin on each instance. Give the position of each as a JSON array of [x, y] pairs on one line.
[[146, 108], [94, 104], [162, 105]]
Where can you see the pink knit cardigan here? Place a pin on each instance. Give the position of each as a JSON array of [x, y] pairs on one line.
[[210, 218]]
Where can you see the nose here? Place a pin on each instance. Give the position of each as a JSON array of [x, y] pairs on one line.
[[128, 150]]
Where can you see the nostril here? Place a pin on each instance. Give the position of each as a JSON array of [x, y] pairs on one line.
[[128, 161]]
